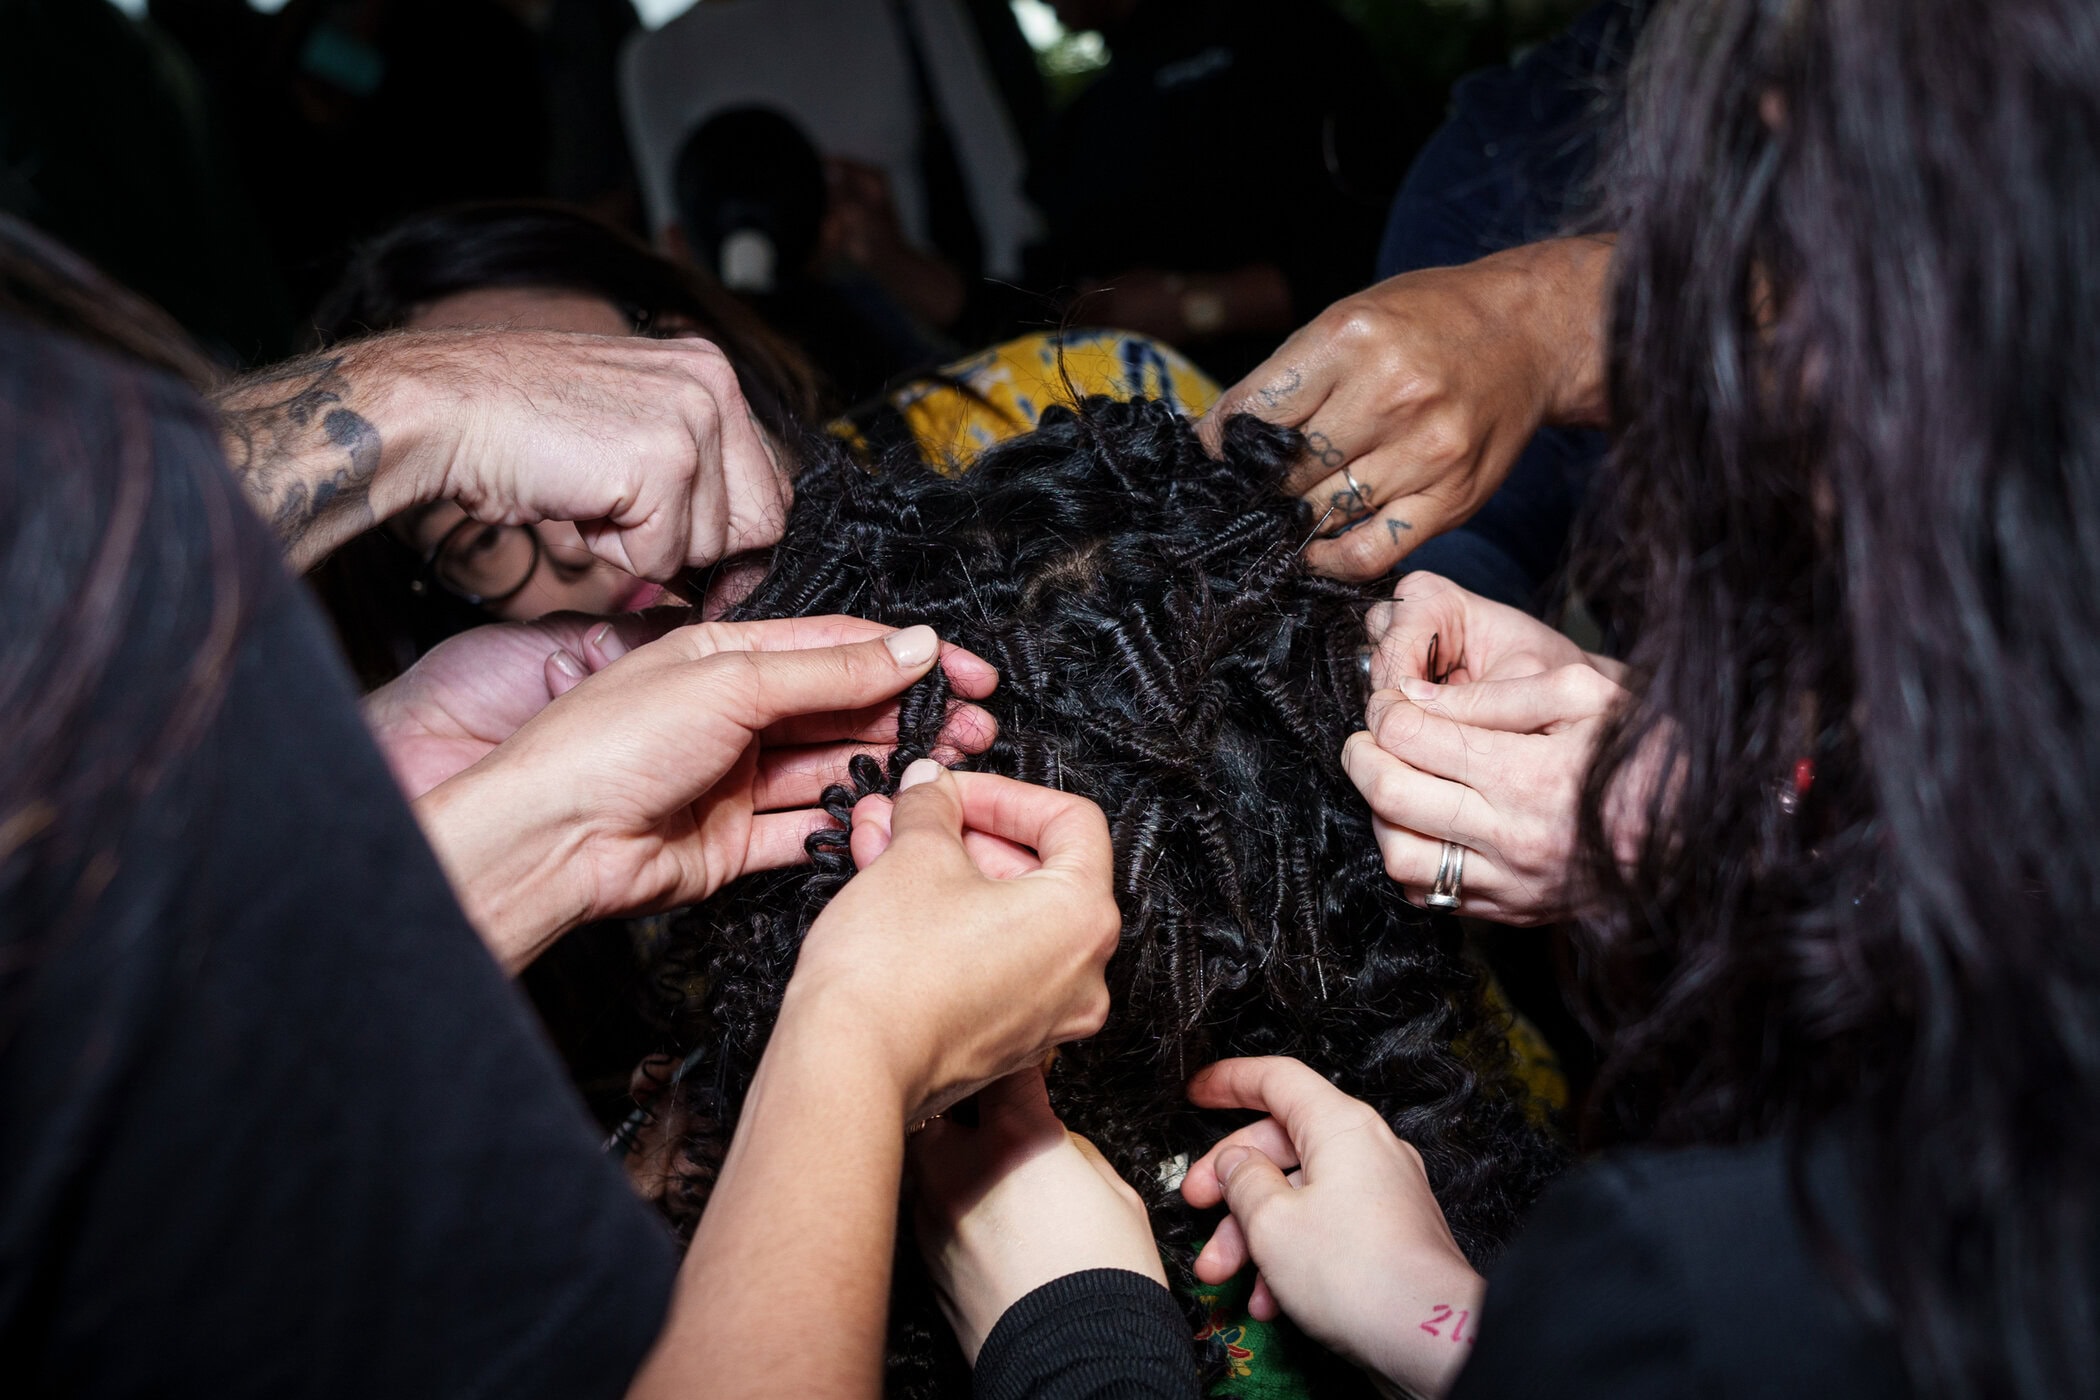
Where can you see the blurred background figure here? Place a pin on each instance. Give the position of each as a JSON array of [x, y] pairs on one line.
[[109, 143], [758, 207], [923, 156], [350, 114], [1224, 178]]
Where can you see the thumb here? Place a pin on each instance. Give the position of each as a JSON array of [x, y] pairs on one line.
[[927, 808], [871, 830], [818, 680], [1251, 1182]]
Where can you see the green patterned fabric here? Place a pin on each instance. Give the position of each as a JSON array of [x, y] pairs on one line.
[[1262, 1357]]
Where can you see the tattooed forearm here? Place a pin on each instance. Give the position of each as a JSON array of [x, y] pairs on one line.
[[306, 456]]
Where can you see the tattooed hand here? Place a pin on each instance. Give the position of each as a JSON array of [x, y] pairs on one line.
[[647, 445], [1416, 396]]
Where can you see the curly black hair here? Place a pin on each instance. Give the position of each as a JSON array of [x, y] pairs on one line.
[[1162, 651]]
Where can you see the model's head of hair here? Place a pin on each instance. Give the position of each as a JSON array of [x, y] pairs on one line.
[[547, 246], [1162, 651], [1854, 519]]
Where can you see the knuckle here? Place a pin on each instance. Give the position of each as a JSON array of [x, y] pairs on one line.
[[1398, 724], [1388, 793], [1417, 584], [1357, 325], [1440, 438]]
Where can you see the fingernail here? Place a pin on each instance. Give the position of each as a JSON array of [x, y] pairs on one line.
[[923, 770], [914, 646], [568, 665], [1416, 689], [607, 640], [1229, 1161]]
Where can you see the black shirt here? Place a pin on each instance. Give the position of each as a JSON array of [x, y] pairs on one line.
[[272, 1122], [1673, 1273]]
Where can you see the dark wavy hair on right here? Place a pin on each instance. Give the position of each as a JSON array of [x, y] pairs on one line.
[[1164, 652], [1854, 519]]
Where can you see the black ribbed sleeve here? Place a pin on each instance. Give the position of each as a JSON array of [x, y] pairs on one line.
[[1102, 1334]]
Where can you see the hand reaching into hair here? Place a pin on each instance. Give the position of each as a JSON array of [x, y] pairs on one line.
[[646, 444], [1017, 1202], [1496, 767], [1351, 1244], [1422, 390], [680, 766], [922, 981], [1492, 759], [471, 692]]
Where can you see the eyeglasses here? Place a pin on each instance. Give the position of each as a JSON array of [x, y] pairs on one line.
[[484, 564]]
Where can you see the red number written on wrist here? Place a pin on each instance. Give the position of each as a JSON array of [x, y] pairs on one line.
[[1443, 1313]]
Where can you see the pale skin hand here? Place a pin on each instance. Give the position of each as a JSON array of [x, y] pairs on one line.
[[1426, 387], [1352, 1245], [1433, 630], [924, 980], [646, 444], [1493, 760], [679, 767], [1495, 766], [1017, 1202], [472, 691]]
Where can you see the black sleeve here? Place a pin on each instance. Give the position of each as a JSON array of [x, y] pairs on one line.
[[272, 1122], [1588, 1302], [1102, 1334]]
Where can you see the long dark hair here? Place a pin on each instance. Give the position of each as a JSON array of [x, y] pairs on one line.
[[1854, 523], [130, 567], [370, 585], [1164, 652]]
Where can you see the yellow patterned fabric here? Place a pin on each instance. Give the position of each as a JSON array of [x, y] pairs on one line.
[[964, 407]]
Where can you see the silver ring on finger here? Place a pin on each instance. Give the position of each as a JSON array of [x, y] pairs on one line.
[[1362, 494], [1450, 872]]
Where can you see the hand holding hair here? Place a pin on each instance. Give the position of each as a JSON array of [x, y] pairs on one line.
[[678, 767], [956, 976], [1352, 1244], [1496, 767], [1416, 395], [1478, 734], [648, 445]]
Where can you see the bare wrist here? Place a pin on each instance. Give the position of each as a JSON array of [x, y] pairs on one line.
[[821, 1021], [1561, 300], [515, 878], [1420, 1345], [317, 442]]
